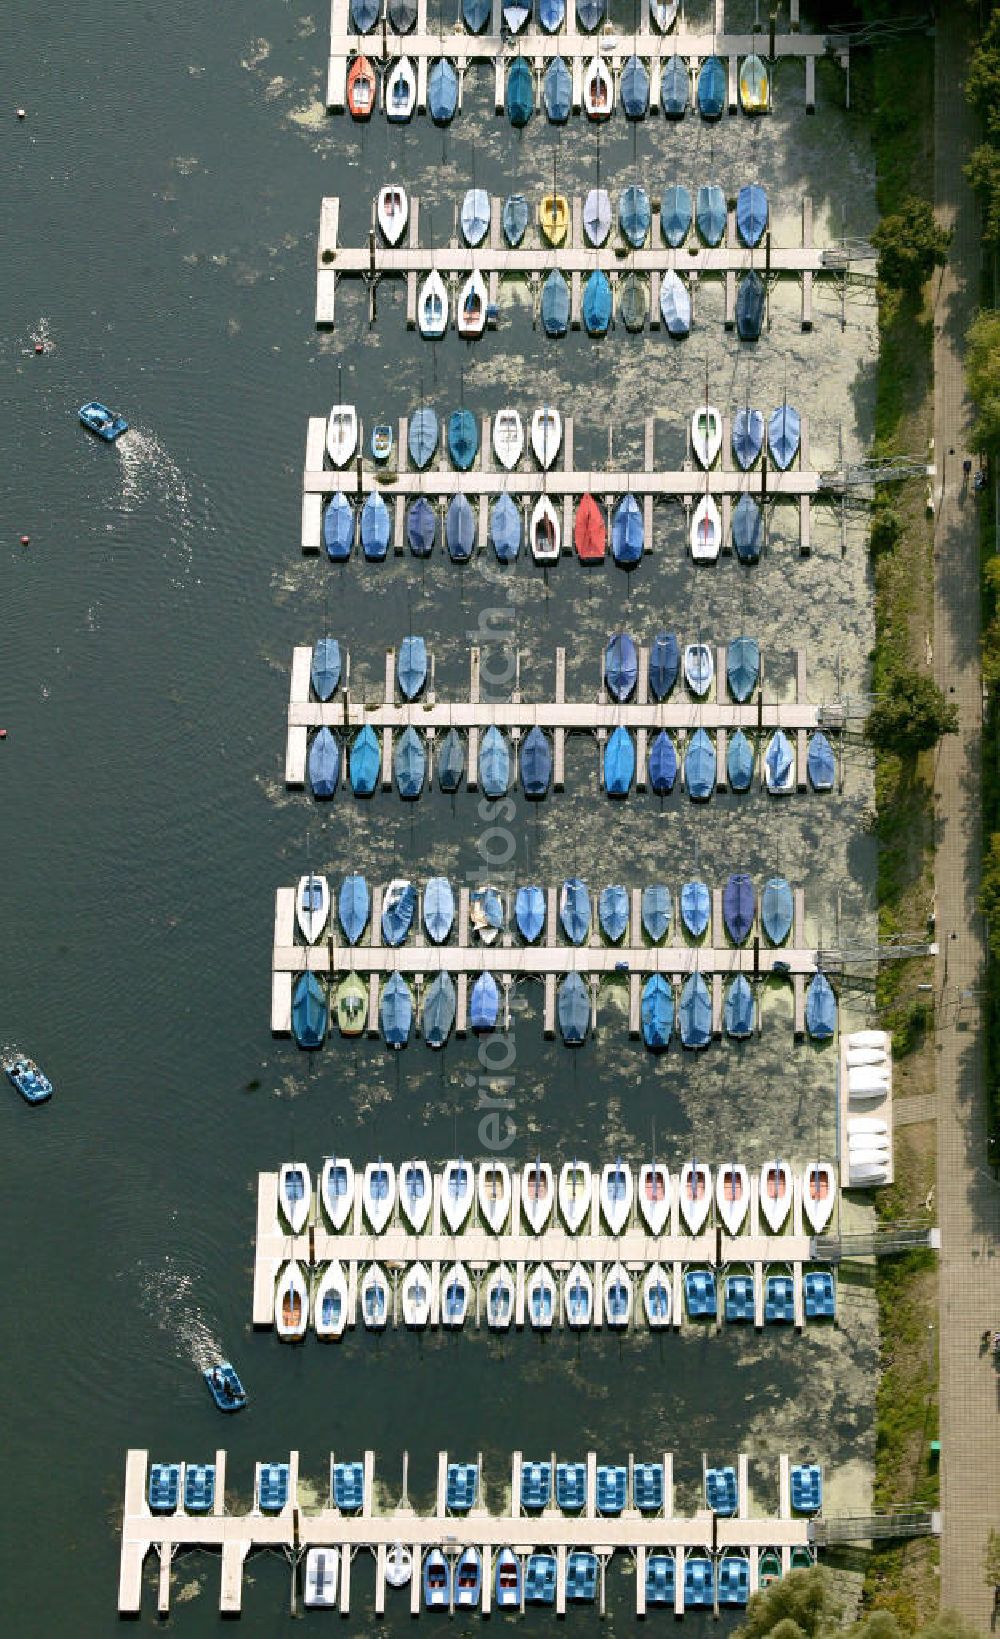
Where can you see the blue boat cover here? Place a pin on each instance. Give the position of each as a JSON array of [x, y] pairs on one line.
[[422, 436], [821, 1008], [484, 1003], [439, 908], [750, 297], [699, 766], [675, 215], [748, 436], [409, 761], [778, 757], [738, 1009], [520, 93], [439, 1010], [551, 14], [739, 906], [742, 666], [634, 214], [396, 1011], [555, 304], [627, 531], [475, 215], [657, 908], [597, 303], [696, 904], [657, 1012], [633, 303], [442, 91], [662, 764], [613, 911], [325, 669], [338, 528], [776, 907], [635, 89], [711, 213], [451, 761], [421, 527], [751, 213], [476, 14], [664, 664], [739, 761], [494, 763], [460, 529], [375, 527], [364, 762], [529, 912], [536, 763], [573, 1007], [747, 529], [574, 910], [411, 666], [353, 907], [397, 913], [364, 14], [487, 901], [309, 1011], [515, 217], [619, 763], [675, 88], [695, 1012], [783, 431], [711, 88], [505, 528], [589, 13], [621, 666], [463, 438], [557, 91], [402, 15], [324, 763], [820, 763]]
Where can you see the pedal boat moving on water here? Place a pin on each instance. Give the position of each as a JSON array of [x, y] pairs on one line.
[[30, 1081], [225, 1387], [102, 421]]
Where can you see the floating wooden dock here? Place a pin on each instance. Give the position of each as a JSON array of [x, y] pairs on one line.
[[293, 1531], [563, 482], [495, 45], [576, 258], [641, 715], [716, 960], [481, 1250]]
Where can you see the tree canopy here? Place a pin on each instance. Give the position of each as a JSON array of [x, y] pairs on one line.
[[910, 715]]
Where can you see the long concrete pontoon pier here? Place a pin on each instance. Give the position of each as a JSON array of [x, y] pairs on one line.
[[483, 483], [601, 716], [292, 1530], [576, 258], [480, 1250], [423, 44]]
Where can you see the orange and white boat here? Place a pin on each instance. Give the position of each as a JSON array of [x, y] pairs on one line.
[[291, 1304], [361, 88], [590, 534]]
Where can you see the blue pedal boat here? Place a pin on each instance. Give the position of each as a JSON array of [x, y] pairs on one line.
[[437, 1581], [818, 1295], [225, 1387], [647, 1487], [348, 1487], [581, 1575], [164, 1487], [468, 1580], [807, 1488], [739, 1298], [97, 418], [536, 1485], [507, 1581], [461, 1487], [32, 1084], [199, 1488], [779, 1300], [721, 1491], [661, 1579], [699, 1583], [571, 1487], [734, 1579], [540, 1580], [699, 1294], [612, 1488], [272, 1487]]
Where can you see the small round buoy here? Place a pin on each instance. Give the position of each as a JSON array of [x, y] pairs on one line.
[[39, 348], [22, 113], [25, 540], [3, 734]]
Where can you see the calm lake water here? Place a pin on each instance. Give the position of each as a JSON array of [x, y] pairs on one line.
[[161, 208]]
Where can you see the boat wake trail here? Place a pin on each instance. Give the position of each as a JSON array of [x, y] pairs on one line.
[[166, 1295], [150, 474]]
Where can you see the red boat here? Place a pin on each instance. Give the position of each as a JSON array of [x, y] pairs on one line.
[[590, 534], [361, 87]]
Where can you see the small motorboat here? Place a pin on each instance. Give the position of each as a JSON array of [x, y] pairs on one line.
[[706, 434], [537, 1194], [576, 1188], [337, 1191], [416, 1296], [654, 1195], [590, 535], [325, 667], [819, 1194], [546, 532], [432, 306], [470, 310], [393, 211], [706, 531], [398, 1565], [540, 1572], [696, 1195], [291, 1304], [457, 1193], [97, 418], [779, 764], [656, 1297], [597, 216], [520, 93], [578, 1297], [382, 442], [754, 85], [508, 438], [675, 304], [400, 91], [557, 91], [439, 908], [31, 1082], [330, 1306], [699, 668], [507, 1583], [541, 1297], [598, 89], [378, 1193], [295, 1194], [546, 435], [617, 1296], [312, 906], [437, 1581], [199, 1487], [581, 1576], [442, 91], [493, 1191], [415, 1194], [360, 88], [341, 434], [553, 217], [616, 1195], [775, 1194], [500, 1299], [455, 1290], [319, 1591], [374, 1298], [468, 1579], [225, 1387], [732, 1195]]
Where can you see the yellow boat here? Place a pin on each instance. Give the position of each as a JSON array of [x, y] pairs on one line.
[[754, 86], [352, 1006], [553, 217]]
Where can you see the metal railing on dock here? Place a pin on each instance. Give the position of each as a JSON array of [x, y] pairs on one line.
[[910, 1522]]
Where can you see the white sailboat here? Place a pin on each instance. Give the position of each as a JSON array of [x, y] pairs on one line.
[[415, 1194], [706, 531], [416, 1296], [291, 1304], [374, 1298], [819, 1194], [598, 89], [617, 1296], [312, 906], [330, 1305], [378, 1191], [576, 1188], [400, 91], [541, 1294], [508, 438], [295, 1194], [432, 306], [500, 1299], [775, 1193], [455, 1289], [578, 1297], [546, 532], [699, 668], [393, 211], [537, 1194], [494, 1192], [654, 1195], [696, 1195], [732, 1195], [616, 1195], [656, 1297], [706, 434], [337, 1190], [546, 435], [457, 1193], [470, 312], [341, 434], [597, 216]]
